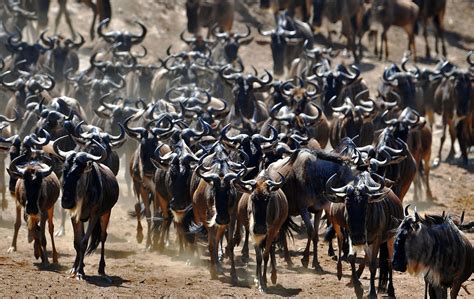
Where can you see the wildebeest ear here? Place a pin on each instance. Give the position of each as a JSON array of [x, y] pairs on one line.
[[336, 198], [246, 41], [13, 174], [160, 165], [243, 188]]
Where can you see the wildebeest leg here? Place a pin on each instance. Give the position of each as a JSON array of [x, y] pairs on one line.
[[309, 229], [455, 287], [166, 219], [288, 260], [266, 257], [42, 238], [220, 231], [273, 261], [438, 22], [211, 239], [230, 246], [68, 20], [3, 186], [340, 241], [78, 229], [80, 275], [452, 134], [245, 247], [437, 161], [144, 194], [157, 222], [104, 223], [258, 278], [138, 213], [390, 289], [426, 175], [315, 238], [51, 234], [355, 280], [425, 35], [58, 17], [372, 254], [16, 227], [385, 39], [383, 267]]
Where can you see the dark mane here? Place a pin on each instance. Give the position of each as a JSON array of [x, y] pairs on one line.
[[330, 156]]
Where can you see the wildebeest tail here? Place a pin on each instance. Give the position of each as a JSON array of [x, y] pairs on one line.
[[94, 239], [289, 227]]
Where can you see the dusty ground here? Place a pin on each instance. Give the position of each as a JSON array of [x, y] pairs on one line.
[[138, 273]]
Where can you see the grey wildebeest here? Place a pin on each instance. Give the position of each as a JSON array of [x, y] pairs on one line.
[[263, 209], [400, 13], [90, 191], [37, 190], [434, 246], [366, 209]]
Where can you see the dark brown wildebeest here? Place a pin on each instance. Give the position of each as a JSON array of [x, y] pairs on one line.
[[412, 129], [215, 209], [434, 246], [453, 101], [263, 210], [207, 13], [90, 191], [366, 209], [306, 172], [434, 9], [37, 190], [122, 41], [400, 13], [295, 7]]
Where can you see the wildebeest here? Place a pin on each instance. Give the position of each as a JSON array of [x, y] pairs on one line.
[[265, 210], [367, 213], [306, 172], [434, 9], [434, 246], [401, 13], [207, 13], [90, 191], [286, 41], [37, 190]]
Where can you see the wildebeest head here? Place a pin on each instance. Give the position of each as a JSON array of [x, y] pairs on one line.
[[262, 191], [63, 57], [222, 192], [27, 53], [75, 166], [357, 196], [401, 82], [122, 40], [405, 231], [407, 120], [32, 175], [232, 42]]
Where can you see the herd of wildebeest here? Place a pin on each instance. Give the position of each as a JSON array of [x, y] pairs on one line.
[[229, 155]]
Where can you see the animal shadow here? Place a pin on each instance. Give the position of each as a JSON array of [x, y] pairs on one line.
[[280, 290], [58, 268], [100, 281], [118, 254]]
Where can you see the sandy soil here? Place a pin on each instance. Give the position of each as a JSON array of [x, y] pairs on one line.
[[135, 272]]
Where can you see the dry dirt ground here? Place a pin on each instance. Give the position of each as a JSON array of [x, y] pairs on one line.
[[135, 272]]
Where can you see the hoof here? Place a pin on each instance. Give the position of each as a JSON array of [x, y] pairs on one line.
[[11, 249], [305, 262], [339, 271], [139, 237], [274, 278], [317, 267], [80, 276]]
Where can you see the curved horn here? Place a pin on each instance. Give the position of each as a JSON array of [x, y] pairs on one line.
[[261, 139], [139, 38], [62, 154]]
